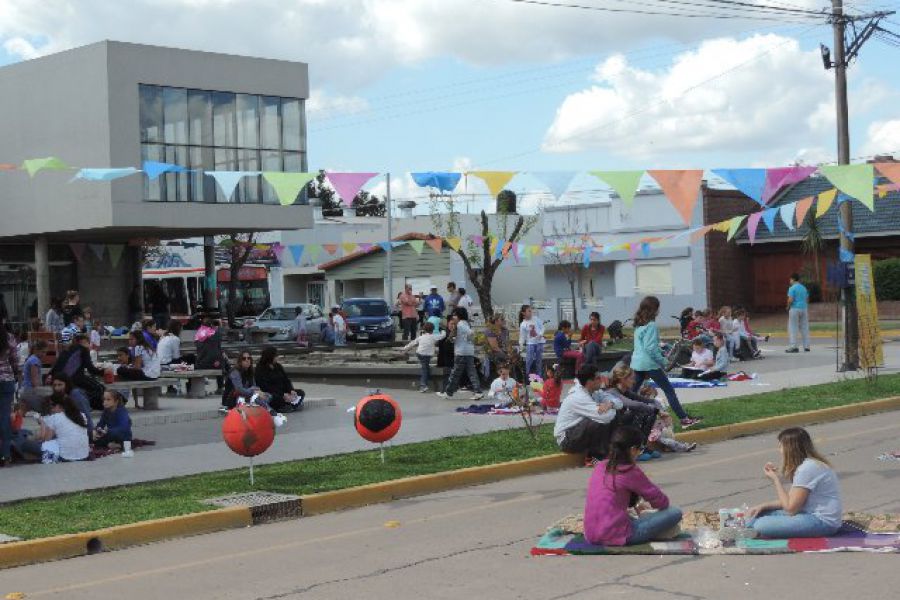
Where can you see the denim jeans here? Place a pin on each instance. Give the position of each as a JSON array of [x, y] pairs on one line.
[[534, 358], [660, 379], [649, 526], [460, 364], [425, 373], [7, 393], [780, 525]]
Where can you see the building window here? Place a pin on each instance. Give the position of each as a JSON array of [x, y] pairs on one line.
[[654, 279], [214, 130]]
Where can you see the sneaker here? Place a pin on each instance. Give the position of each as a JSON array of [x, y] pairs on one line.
[[645, 456], [792, 350], [443, 395], [279, 419], [806, 349], [128, 454], [691, 447], [423, 390], [477, 396], [223, 410], [688, 422]]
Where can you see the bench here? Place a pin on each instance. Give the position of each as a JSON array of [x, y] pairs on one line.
[[196, 380], [149, 390]]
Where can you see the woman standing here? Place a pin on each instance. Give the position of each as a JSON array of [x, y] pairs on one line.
[[648, 361], [9, 374]]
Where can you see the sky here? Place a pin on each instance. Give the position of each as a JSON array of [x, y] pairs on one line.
[[508, 85]]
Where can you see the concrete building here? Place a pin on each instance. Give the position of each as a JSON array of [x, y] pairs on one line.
[[113, 104], [614, 283]]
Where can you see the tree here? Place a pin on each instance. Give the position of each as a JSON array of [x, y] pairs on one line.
[[239, 246], [331, 206], [571, 263], [481, 265], [813, 243]]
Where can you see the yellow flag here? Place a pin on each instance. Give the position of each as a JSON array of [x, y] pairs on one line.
[[454, 242], [825, 201], [723, 226], [348, 247], [495, 180]]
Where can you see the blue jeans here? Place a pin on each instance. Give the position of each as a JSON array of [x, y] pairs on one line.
[[7, 394], [425, 374], [660, 379], [534, 358], [650, 525], [780, 525]]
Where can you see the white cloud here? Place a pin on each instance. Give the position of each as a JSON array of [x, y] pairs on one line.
[[323, 105], [689, 107], [883, 138], [20, 47]]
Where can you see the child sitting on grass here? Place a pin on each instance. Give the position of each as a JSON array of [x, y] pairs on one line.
[[115, 423], [662, 436]]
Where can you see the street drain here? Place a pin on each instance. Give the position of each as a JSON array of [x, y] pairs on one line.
[[264, 506]]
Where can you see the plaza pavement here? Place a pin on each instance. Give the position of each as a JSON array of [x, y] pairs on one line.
[[474, 542], [189, 447]]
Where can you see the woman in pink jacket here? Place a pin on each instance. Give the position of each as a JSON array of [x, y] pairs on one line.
[[618, 483]]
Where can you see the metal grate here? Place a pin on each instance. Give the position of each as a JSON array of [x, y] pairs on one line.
[[264, 506]]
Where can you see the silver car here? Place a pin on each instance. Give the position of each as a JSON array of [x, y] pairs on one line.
[[279, 322]]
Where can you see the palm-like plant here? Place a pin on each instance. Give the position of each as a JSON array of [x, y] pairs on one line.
[[813, 242]]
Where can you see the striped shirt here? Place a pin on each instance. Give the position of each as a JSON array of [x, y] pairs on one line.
[[68, 332]]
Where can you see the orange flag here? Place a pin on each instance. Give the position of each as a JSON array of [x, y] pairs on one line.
[[682, 188], [890, 170], [435, 244], [330, 248], [803, 207], [700, 233]]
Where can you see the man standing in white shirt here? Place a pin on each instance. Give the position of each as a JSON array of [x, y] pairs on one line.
[[583, 425], [531, 341]]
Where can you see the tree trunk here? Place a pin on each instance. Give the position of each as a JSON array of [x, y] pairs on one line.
[[483, 288]]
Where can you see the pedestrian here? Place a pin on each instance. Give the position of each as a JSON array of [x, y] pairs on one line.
[[591, 341], [638, 412], [114, 426], [300, 334], [9, 375], [145, 364], [531, 340], [798, 315], [241, 383], [464, 357], [434, 302], [425, 346], [274, 381], [75, 362], [339, 325], [408, 314], [452, 299], [503, 388], [53, 320], [63, 435], [71, 307], [648, 361]]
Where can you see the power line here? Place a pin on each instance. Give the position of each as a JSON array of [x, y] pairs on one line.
[[670, 13]]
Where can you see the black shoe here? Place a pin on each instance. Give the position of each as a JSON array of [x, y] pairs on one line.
[[806, 349], [792, 350]]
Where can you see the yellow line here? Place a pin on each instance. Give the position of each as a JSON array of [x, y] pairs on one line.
[[369, 530]]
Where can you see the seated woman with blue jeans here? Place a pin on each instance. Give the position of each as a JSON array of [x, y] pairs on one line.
[[812, 507]]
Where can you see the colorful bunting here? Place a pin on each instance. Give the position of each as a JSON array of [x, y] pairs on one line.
[[115, 254], [780, 177], [786, 211], [443, 181], [386, 246], [287, 185], [625, 183], [347, 185], [495, 180], [417, 245], [330, 248], [278, 250], [296, 252], [750, 182], [349, 247], [51, 163], [733, 226], [229, 180], [455, 243], [826, 199], [557, 182], [752, 225], [803, 207], [313, 251], [104, 174], [769, 218], [890, 170], [853, 180], [682, 188], [700, 232], [98, 249], [435, 244], [154, 169]]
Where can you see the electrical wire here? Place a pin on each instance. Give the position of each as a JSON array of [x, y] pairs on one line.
[[795, 17]]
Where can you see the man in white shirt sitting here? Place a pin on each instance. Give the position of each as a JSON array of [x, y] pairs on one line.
[[584, 422]]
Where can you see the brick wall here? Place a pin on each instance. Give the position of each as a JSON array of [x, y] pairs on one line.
[[729, 269]]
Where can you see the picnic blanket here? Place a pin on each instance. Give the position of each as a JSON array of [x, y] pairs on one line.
[[681, 382], [490, 409], [97, 452], [565, 538]]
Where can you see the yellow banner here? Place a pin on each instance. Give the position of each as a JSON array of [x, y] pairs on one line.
[[871, 351]]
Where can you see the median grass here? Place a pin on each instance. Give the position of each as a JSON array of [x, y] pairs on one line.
[[95, 509]]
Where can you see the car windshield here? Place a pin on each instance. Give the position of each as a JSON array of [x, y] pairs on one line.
[[279, 313], [366, 308]]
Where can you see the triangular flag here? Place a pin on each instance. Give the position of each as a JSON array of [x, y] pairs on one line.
[[700, 232], [787, 214], [313, 251], [348, 247], [51, 163], [296, 252], [477, 240], [625, 183], [890, 170], [435, 244], [78, 249], [443, 181], [495, 180], [750, 182], [733, 226], [853, 180], [417, 245], [287, 185], [723, 226], [682, 188], [526, 252], [8, 167], [826, 199], [752, 225], [365, 247], [493, 247], [455, 243], [154, 169], [506, 248], [104, 174], [98, 249], [347, 185], [386, 246], [780, 177], [586, 257], [278, 250], [769, 218], [803, 207], [515, 251], [556, 181], [534, 250], [229, 180], [398, 244], [330, 248], [115, 254]]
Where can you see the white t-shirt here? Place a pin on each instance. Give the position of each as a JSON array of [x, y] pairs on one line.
[[339, 324], [72, 439], [466, 302], [502, 390], [149, 361], [168, 349], [703, 359]]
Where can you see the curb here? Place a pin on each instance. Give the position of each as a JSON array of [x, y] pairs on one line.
[[26, 552]]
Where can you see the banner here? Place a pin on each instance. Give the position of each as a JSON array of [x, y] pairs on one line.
[[871, 350], [347, 185], [496, 180], [780, 177], [826, 199], [287, 186], [557, 182], [50, 163], [441, 180]]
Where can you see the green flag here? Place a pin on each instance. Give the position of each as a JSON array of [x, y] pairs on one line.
[[33, 165], [734, 224], [287, 185], [625, 183], [417, 245], [853, 180]]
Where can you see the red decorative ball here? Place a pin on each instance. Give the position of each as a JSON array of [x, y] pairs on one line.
[[377, 418], [248, 430]]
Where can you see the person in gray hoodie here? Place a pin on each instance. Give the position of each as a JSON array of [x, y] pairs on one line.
[[464, 356]]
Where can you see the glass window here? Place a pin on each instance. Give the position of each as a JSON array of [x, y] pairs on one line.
[[151, 113], [223, 119], [152, 190], [200, 117], [247, 121], [269, 124], [225, 159], [248, 188], [270, 161], [203, 187], [175, 113], [175, 184], [290, 117]]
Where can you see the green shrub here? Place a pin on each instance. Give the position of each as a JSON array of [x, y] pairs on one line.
[[887, 279]]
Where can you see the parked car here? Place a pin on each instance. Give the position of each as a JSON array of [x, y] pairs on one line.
[[278, 322], [368, 319]]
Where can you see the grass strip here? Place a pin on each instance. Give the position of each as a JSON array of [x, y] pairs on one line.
[[96, 509]]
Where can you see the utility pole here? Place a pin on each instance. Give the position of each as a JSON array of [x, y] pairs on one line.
[[389, 250]]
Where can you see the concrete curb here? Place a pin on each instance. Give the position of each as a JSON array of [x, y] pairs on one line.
[[68, 546]]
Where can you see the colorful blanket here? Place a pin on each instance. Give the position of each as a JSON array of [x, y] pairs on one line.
[[490, 409], [681, 382]]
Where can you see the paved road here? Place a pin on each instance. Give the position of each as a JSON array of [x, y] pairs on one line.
[[474, 542]]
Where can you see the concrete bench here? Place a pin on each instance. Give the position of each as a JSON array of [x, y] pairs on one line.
[[149, 390], [196, 380]]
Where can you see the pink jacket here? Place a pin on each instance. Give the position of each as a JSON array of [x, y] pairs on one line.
[[606, 519], [408, 304]]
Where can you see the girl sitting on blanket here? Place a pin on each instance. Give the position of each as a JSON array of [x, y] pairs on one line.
[[618, 483], [812, 507]]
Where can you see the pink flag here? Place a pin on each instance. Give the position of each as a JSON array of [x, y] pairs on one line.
[[780, 177], [752, 224], [347, 185], [78, 249]]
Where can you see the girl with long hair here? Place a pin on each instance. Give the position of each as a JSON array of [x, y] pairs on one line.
[[812, 507], [241, 383], [648, 361], [618, 483], [637, 411], [64, 433], [273, 380], [463, 357]]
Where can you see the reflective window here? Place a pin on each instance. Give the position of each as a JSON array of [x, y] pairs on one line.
[[290, 118], [151, 113], [223, 119], [200, 115], [269, 123], [175, 116], [247, 121]]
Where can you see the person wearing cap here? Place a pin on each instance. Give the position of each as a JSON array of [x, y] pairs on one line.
[[434, 302]]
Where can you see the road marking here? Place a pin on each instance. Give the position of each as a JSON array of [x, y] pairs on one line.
[[380, 528]]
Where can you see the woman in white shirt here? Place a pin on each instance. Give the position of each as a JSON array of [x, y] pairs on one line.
[[169, 347], [145, 360], [67, 426]]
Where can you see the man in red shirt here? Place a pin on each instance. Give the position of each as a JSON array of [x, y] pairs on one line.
[[592, 339]]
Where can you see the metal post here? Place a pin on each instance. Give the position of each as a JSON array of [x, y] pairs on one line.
[[389, 288], [42, 274], [848, 294], [210, 298]]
